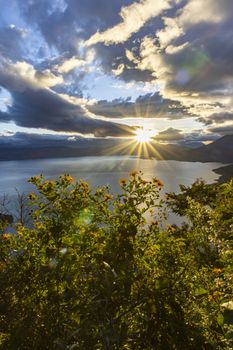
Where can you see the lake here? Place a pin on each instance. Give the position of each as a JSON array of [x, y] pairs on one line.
[[100, 171], [103, 171]]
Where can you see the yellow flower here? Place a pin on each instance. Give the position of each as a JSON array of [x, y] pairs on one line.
[[157, 182], [5, 236], [69, 179], [217, 270], [210, 298], [32, 196], [39, 225], [133, 173], [34, 179], [144, 182], [171, 228], [217, 295], [94, 234], [168, 197], [155, 223], [123, 182], [160, 184], [107, 197], [85, 187]]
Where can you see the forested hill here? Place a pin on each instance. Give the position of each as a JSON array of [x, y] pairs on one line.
[[220, 150]]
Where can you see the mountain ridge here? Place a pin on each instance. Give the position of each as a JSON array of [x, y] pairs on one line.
[[220, 150]]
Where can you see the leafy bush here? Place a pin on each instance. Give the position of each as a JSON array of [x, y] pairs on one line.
[[91, 273]]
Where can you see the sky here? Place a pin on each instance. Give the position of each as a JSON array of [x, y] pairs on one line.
[[102, 69]]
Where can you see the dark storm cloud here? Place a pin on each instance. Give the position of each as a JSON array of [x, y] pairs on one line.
[[192, 139], [201, 136], [36, 106], [21, 139], [45, 109], [222, 130], [44, 145], [111, 57], [148, 106], [217, 118], [4, 117], [205, 63], [169, 134]]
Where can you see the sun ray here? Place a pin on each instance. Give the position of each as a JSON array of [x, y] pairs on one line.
[[142, 144], [143, 135]]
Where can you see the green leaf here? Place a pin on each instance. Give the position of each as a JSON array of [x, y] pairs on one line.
[[220, 319], [201, 291]]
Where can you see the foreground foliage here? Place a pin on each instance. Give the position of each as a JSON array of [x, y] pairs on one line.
[[90, 273]]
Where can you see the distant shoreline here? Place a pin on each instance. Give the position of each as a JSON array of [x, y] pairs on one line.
[[44, 157], [226, 173], [219, 151]]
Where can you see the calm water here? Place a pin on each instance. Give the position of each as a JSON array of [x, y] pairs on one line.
[[103, 171]]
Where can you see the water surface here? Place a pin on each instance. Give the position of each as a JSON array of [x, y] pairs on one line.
[[103, 171]]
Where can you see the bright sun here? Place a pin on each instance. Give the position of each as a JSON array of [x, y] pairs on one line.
[[144, 135]]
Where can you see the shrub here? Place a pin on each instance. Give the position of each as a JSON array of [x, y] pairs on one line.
[[91, 273]]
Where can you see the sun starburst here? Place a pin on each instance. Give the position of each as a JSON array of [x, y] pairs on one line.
[[144, 135]]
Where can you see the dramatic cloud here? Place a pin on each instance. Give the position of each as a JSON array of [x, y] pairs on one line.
[[198, 11], [36, 106], [70, 64], [46, 109], [64, 23], [217, 118], [222, 130], [133, 18], [169, 134], [25, 140], [190, 56], [146, 106], [59, 56], [22, 75]]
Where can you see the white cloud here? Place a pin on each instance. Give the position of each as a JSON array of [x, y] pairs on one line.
[[133, 18], [119, 70], [171, 31], [155, 55], [194, 12], [171, 49], [131, 57], [73, 62], [197, 11], [69, 65], [20, 75], [151, 59]]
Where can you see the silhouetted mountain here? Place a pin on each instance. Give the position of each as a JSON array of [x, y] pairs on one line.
[[220, 150], [191, 144]]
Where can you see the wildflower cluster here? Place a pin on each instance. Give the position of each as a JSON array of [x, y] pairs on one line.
[[92, 271]]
